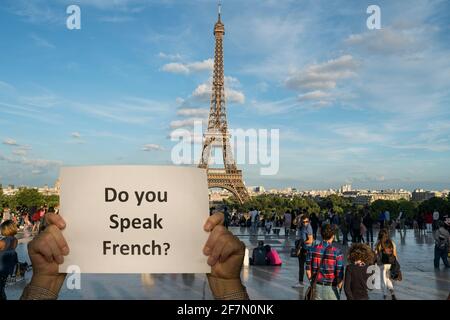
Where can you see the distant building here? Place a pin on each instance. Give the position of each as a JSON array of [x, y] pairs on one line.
[[346, 188], [367, 197], [420, 195]]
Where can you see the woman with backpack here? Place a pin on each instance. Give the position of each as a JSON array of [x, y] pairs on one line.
[[386, 255]]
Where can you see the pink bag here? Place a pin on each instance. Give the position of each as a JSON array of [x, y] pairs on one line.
[[274, 258]]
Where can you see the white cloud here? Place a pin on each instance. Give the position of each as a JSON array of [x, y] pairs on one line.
[[188, 136], [75, 135], [190, 122], [205, 65], [152, 147], [390, 40], [358, 134], [41, 42], [175, 67], [167, 56], [47, 100], [314, 95], [193, 112], [323, 76], [116, 19], [36, 12], [6, 86], [20, 152], [10, 142], [203, 93], [187, 68]]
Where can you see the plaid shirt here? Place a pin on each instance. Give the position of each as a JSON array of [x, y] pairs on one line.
[[332, 269]]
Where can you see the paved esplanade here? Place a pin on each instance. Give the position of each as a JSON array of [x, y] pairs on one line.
[[420, 280]]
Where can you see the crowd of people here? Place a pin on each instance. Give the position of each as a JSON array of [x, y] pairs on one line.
[[30, 222], [323, 260], [320, 258]]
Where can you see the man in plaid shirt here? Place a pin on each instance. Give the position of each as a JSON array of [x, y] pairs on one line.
[[328, 262]]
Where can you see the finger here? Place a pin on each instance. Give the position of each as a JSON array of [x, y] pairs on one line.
[[56, 252], [217, 249], [214, 220], [56, 219], [232, 247], [59, 239], [40, 247], [213, 236]]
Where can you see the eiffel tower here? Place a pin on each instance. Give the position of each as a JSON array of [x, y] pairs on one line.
[[217, 135]]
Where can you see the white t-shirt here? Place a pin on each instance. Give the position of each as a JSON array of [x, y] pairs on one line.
[[253, 215]]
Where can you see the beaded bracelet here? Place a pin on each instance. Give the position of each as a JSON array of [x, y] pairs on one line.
[[37, 293]]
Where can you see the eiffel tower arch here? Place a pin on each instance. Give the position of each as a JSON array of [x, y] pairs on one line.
[[217, 135]]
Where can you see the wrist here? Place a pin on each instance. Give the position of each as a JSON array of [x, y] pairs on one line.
[[52, 283], [227, 289]]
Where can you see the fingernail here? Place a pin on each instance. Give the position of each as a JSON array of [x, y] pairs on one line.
[[207, 251], [62, 225], [208, 226]]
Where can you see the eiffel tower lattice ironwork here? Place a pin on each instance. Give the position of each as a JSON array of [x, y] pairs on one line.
[[217, 135]]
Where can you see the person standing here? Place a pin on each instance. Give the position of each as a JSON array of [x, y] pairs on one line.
[[386, 252], [268, 225], [368, 222], [314, 224], [420, 223], [436, 217], [335, 223], [6, 214], [360, 257], [327, 263], [442, 243], [387, 219], [253, 220], [345, 227], [381, 220], [401, 220], [287, 222], [226, 215], [305, 242], [429, 221], [356, 228]]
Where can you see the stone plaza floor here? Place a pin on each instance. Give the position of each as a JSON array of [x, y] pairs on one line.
[[420, 280]]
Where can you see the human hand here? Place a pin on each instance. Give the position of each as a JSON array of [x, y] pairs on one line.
[[46, 252], [224, 250]]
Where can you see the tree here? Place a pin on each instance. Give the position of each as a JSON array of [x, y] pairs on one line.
[[51, 201], [29, 198], [379, 206], [338, 204], [408, 208], [2, 198], [435, 203]]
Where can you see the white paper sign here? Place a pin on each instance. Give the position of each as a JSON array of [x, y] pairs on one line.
[[135, 219]]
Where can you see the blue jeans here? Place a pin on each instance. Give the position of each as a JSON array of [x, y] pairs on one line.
[[326, 293]]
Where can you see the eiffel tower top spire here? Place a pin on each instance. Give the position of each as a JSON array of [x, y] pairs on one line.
[[219, 27]]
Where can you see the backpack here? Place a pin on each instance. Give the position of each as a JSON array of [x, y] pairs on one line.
[[259, 255]]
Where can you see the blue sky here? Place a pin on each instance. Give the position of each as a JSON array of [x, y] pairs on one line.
[[367, 107]]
